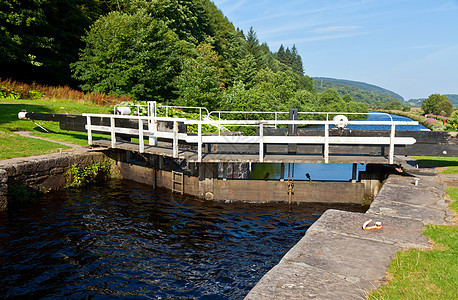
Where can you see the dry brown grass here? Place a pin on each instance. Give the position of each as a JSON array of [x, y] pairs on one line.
[[18, 90]]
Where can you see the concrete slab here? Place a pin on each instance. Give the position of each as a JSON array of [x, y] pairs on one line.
[[415, 195], [448, 177], [426, 182], [420, 213], [404, 232], [343, 255], [299, 281]]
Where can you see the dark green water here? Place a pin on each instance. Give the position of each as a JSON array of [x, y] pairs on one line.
[[125, 240]]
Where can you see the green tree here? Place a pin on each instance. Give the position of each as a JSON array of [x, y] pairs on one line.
[[329, 96], [296, 64], [245, 71], [187, 18], [444, 108], [305, 101], [394, 105], [437, 104], [252, 47], [280, 55], [199, 83], [347, 98], [129, 54], [40, 38]]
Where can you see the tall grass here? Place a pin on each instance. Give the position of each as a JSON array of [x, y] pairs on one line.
[[18, 90]]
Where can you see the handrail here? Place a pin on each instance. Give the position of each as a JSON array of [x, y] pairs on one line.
[[261, 139]]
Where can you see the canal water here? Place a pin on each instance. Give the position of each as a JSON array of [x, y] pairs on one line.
[[126, 240]]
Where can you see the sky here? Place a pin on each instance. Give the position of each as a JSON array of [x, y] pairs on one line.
[[407, 46]]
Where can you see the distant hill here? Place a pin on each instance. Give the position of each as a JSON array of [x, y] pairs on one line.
[[359, 91], [452, 97]]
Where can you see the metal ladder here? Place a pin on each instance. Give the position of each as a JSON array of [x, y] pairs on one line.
[[177, 182]]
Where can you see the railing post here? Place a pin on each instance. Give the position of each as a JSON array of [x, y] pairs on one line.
[[392, 134], [326, 143], [199, 142], [141, 142], [261, 142], [219, 127], [152, 126], [113, 133], [175, 139], [89, 130]]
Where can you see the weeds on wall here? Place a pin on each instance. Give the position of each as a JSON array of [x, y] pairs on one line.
[[97, 172], [18, 193]]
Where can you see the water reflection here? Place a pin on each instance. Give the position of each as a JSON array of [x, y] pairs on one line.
[[127, 240], [316, 171]]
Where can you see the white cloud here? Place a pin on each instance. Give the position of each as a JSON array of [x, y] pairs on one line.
[[232, 7], [335, 29], [317, 38]]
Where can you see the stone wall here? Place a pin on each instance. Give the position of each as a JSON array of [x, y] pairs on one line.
[[43, 172], [3, 189], [208, 187]]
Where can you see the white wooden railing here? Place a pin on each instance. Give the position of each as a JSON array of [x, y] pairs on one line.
[[260, 139]]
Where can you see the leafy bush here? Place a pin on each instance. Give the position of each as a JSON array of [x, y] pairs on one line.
[[96, 172]]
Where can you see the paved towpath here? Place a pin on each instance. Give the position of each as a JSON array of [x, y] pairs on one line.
[[337, 259], [29, 135]]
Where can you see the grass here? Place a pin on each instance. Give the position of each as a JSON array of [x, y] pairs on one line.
[[430, 274], [13, 145], [438, 161]]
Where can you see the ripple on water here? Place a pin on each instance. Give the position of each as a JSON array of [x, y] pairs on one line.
[[128, 240]]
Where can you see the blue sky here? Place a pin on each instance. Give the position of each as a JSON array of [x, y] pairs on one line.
[[407, 46]]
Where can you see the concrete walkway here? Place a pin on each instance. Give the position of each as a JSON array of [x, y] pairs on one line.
[[29, 135], [337, 259]]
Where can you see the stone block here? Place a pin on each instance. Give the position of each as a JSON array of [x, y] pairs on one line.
[[424, 214], [343, 255], [58, 170], [405, 232], [3, 189], [3, 176], [289, 280], [409, 195], [425, 182]]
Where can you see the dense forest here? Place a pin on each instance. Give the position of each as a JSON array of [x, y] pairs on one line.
[[181, 52]]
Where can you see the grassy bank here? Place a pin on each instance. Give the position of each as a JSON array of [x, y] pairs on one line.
[[434, 123], [428, 274], [13, 145]]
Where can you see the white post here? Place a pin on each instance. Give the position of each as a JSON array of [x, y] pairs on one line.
[[152, 125], [261, 142], [219, 119], [392, 133], [175, 139], [326, 143], [113, 134], [141, 143], [89, 130], [199, 142]]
